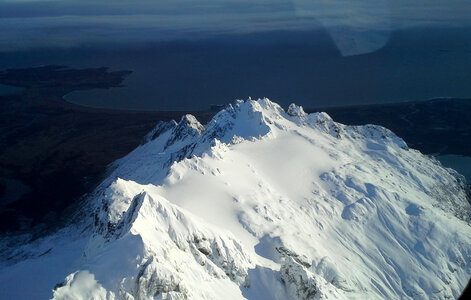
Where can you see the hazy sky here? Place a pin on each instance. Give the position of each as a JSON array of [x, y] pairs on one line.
[[356, 27]]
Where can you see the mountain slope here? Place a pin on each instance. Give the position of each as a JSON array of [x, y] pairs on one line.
[[259, 204]]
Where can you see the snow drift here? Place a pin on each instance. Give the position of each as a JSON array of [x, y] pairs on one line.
[[260, 203]]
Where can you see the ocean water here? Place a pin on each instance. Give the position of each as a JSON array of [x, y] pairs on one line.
[[303, 67], [460, 163], [8, 90]]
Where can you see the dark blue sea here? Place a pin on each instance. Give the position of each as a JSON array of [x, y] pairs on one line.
[[303, 67]]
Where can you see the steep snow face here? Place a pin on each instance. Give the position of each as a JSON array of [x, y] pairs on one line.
[[260, 204]]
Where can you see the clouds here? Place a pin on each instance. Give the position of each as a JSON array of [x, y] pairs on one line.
[[124, 24], [355, 26]]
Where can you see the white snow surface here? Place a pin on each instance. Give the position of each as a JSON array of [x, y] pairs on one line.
[[258, 204]]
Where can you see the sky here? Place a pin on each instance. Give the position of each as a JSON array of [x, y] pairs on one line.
[[356, 27]]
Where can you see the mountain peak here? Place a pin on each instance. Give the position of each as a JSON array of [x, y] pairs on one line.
[[190, 121], [296, 111], [262, 203]]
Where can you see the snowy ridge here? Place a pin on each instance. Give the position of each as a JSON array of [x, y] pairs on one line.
[[261, 203]]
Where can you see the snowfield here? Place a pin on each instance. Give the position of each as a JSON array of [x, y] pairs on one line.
[[260, 203]]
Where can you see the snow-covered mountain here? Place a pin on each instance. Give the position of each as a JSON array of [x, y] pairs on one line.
[[260, 203]]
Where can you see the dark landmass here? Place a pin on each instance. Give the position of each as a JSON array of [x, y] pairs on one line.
[[56, 79], [57, 149], [437, 126]]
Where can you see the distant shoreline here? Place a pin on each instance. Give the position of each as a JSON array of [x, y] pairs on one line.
[[303, 67]]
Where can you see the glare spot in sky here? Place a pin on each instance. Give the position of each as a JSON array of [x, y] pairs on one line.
[[356, 27]]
